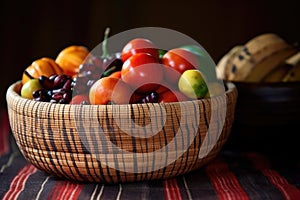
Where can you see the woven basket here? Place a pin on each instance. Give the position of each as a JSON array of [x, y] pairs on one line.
[[120, 143]]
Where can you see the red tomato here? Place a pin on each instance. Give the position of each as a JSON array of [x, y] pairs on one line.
[[139, 45], [135, 97], [177, 61], [171, 96], [142, 72], [165, 86]]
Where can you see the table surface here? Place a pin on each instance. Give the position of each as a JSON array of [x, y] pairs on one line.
[[232, 174]]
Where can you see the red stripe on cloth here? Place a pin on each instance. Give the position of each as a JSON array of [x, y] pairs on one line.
[[225, 182], [171, 189], [288, 191], [74, 191], [18, 183], [66, 190], [57, 188], [261, 163], [4, 133]]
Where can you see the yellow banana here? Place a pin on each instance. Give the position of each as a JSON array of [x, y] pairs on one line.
[[282, 69], [225, 62], [254, 52], [294, 73], [268, 63], [277, 74]]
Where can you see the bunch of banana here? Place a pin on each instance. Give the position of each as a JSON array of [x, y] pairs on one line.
[[265, 58]]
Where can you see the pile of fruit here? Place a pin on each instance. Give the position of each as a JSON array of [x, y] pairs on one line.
[[139, 73], [264, 58]]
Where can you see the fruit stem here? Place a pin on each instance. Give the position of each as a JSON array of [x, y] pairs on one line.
[[105, 53], [109, 71]]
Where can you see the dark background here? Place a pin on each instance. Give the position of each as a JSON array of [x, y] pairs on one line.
[[34, 29]]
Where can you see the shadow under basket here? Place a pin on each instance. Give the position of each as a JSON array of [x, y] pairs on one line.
[[120, 143]]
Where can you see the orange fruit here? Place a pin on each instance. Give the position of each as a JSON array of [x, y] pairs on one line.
[[110, 90], [70, 58]]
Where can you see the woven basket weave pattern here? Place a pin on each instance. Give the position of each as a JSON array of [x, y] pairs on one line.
[[77, 141]]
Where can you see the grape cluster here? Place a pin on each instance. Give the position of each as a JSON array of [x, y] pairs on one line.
[[152, 97], [55, 89], [93, 69]]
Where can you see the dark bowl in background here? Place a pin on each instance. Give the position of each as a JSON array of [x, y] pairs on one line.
[[267, 118]]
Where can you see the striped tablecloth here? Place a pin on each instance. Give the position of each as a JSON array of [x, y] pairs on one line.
[[232, 175]]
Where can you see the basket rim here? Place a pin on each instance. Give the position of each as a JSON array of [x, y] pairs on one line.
[[12, 93]]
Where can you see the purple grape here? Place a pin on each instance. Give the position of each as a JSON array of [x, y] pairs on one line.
[[152, 97], [45, 82], [52, 77], [60, 80], [68, 84], [56, 89]]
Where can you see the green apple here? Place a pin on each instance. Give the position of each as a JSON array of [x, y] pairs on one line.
[[29, 87], [192, 83]]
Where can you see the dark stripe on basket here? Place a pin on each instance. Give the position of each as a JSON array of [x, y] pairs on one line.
[[67, 142], [18, 134], [197, 141], [32, 139], [121, 145], [146, 144], [220, 112], [104, 146], [158, 120], [30, 153], [133, 145], [208, 133], [19, 126], [227, 122], [153, 171], [204, 113], [141, 115], [60, 172], [64, 137], [166, 147], [187, 152], [99, 163], [175, 163], [37, 144], [189, 133], [146, 158], [22, 137], [78, 112], [215, 121], [112, 137], [41, 153], [80, 149], [138, 139], [92, 144], [222, 127], [71, 135]]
